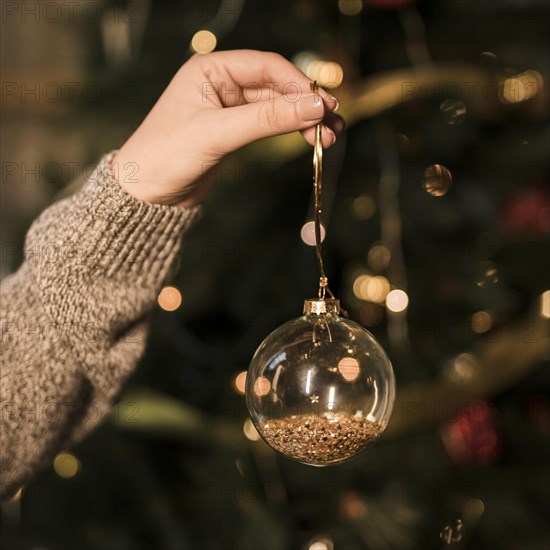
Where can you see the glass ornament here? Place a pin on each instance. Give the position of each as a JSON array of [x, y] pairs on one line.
[[320, 388]]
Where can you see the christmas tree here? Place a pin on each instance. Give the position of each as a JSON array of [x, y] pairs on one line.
[[437, 214]]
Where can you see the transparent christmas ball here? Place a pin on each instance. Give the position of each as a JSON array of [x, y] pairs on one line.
[[320, 389]]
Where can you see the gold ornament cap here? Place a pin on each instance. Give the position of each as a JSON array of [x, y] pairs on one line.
[[321, 307]]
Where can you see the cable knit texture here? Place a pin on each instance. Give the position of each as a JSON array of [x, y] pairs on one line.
[[73, 317]]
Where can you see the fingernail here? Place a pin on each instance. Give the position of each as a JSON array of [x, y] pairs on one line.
[[310, 107], [332, 99], [331, 134]]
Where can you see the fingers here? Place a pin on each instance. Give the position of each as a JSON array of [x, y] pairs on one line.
[[238, 126], [333, 125], [260, 72], [264, 95]]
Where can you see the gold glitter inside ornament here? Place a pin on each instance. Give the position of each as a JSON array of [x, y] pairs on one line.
[[331, 386], [320, 389]]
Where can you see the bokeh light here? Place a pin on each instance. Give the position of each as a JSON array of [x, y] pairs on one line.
[[239, 382], [360, 286], [350, 7], [353, 505], [488, 274], [348, 368], [437, 180], [379, 257], [452, 533], [262, 386], [308, 233], [328, 74], [169, 298], [473, 510], [303, 60], [250, 430], [363, 207], [397, 301], [66, 465], [321, 543], [417, 90], [203, 42], [481, 322], [462, 368], [545, 304], [454, 110], [522, 87], [371, 289], [378, 289]]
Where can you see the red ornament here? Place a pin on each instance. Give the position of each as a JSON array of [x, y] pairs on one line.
[[473, 435], [527, 212]]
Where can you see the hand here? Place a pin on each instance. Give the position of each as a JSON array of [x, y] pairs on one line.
[[215, 104]]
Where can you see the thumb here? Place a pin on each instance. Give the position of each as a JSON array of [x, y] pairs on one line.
[[280, 115]]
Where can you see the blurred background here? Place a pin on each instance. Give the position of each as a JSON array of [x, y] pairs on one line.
[[437, 213]]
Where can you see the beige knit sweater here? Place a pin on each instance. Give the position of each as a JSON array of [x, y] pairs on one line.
[[73, 317]]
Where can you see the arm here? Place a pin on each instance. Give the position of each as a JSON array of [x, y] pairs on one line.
[[73, 316]]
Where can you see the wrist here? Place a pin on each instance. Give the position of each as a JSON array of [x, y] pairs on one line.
[[144, 183]]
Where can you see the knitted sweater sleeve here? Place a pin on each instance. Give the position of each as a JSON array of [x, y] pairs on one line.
[[73, 317]]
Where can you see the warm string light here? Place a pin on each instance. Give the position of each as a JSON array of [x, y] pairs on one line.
[[353, 505], [378, 290], [463, 368], [239, 382], [349, 368], [66, 465], [545, 304], [307, 233], [220, 25], [321, 543], [473, 510], [371, 289], [250, 431], [262, 386], [522, 87], [328, 74], [363, 207], [397, 301], [203, 42], [379, 257], [169, 298], [350, 7], [481, 322]]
